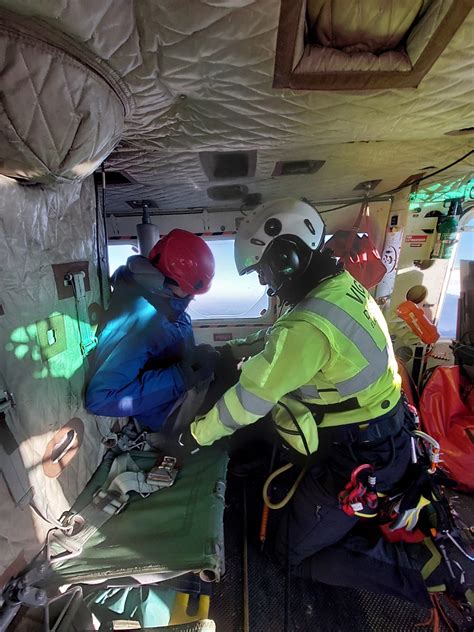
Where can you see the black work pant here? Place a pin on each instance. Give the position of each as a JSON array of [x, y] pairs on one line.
[[314, 537]]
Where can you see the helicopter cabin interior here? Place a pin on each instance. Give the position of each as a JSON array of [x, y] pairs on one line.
[[121, 120]]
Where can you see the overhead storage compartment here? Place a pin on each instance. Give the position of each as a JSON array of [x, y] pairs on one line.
[[61, 109], [357, 45]]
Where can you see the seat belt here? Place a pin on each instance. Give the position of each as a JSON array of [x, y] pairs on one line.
[[12, 467], [124, 477]]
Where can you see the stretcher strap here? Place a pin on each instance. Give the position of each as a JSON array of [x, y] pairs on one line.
[[124, 477]]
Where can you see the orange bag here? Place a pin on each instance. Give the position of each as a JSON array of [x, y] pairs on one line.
[[418, 323], [361, 258], [448, 417]]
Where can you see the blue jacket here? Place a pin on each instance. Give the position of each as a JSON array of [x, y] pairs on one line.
[[134, 370]]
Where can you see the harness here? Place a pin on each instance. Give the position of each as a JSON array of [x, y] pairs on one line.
[[124, 478], [377, 429], [365, 432]]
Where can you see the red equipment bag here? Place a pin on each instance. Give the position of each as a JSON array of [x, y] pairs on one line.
[[447, 414], [361, 258]]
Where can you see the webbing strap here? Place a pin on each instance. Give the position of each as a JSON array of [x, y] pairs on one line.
[[124, 477], [339, 407], [93, 517], [88, 340], [15, 474], [433, 562], [12, 467]]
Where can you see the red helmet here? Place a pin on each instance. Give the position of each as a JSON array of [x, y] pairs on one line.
[[185, 258]]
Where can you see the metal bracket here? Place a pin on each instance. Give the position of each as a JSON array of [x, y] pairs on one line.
[[7, 401], [88, 340], [23, 591], [163, 475]]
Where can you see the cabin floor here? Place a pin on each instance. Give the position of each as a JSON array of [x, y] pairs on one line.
[[306, 606]]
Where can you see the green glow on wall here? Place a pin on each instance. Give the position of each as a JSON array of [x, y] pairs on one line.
[[439, 192], [21, 350], [52, 346]]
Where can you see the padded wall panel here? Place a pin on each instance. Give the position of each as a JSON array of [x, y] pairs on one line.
[[40, 227]]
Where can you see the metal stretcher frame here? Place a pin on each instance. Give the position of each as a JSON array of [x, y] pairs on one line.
[[173, 531]]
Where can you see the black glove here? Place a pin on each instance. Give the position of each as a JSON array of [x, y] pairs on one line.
[[198, 365], [202, 355], [194, 377], [226, 362]]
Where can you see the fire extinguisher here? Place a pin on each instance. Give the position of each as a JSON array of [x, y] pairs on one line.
[[446, 231], [417, 321]]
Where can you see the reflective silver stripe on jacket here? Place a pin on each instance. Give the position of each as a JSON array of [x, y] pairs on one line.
[[252, 403], [308, 391], [376, 358], [224, 415]]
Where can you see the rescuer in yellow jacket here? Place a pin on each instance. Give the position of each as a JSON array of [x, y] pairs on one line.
[[325, 371], [331, 351]]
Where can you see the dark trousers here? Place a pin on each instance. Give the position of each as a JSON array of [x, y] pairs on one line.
[[314, 536]]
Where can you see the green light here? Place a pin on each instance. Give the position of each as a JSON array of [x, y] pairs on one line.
[[20, 335], [52, 346], [21, 351], [439, 192], [41, 374]]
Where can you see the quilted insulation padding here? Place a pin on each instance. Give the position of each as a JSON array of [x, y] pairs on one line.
[[201, 76], [344, 25], [59, 118], [39, 227]]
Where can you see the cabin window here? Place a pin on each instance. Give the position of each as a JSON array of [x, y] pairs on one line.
[[465, 252], [119, 253], [231, 296]]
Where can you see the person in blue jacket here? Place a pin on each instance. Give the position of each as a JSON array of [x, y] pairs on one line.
[[146, 358]]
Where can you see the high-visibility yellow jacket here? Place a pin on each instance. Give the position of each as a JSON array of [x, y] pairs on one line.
[[331, 347]]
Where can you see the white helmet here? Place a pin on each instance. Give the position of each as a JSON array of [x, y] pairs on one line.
[[287, 218]]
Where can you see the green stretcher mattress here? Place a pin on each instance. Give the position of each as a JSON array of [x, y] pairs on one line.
[[176, 529]]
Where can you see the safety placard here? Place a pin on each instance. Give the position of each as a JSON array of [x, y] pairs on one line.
[[416, 241], [222, 337]]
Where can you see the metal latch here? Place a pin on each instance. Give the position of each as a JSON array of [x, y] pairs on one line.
[[7, 401], [163, 475]]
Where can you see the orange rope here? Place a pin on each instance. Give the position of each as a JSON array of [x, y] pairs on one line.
[[435, 614], [428, 622], [433, 620], [444, 616], [264, 523]]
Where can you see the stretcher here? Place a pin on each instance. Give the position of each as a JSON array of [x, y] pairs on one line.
[[176, 530], [155, 537]]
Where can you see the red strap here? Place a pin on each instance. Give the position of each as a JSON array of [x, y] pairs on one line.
[[362, 217], [355, 491], [357, 471]]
